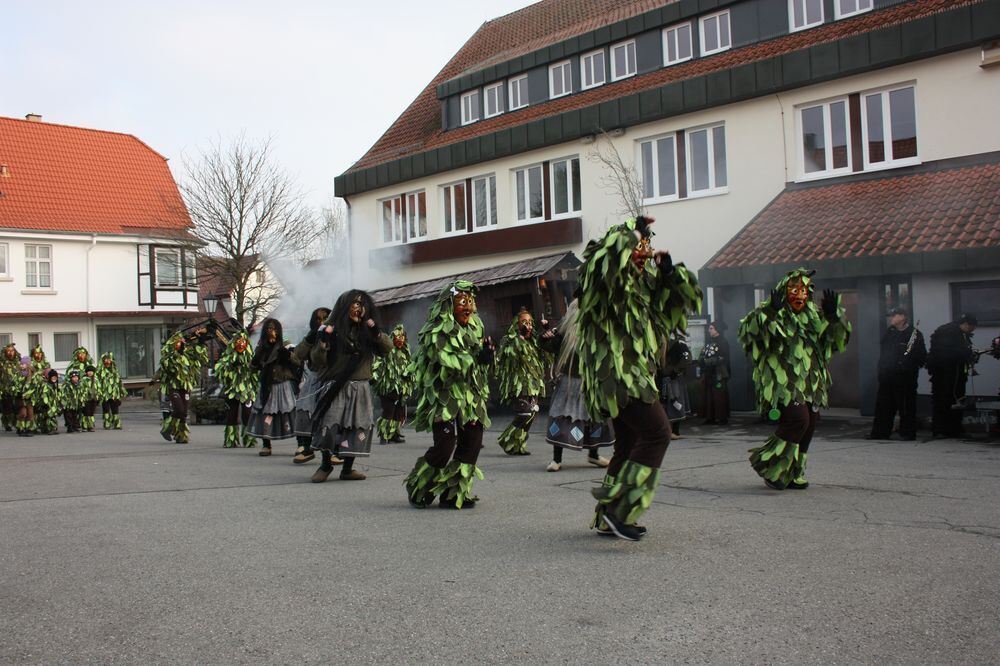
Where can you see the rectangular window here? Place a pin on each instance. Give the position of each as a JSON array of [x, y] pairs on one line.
[[190, 272], [804, 14], [34, 340], [560, 79], [455, 219], [470, 107], [715, 33], [826, 146], [979, 298], [889, 128], [658, 168], [592, 69], [494, 100], [484, 201], [565, 179], [168, 267], [845, 8], [392, 220], [623, 60], [706, 160], [38, 266], [677, 44], [6, 339], [133, 348], [65, 344], [4, 260], [416, 215], [528, 185], [518, 92]]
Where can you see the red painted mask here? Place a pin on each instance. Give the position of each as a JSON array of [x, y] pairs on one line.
[[179, 345], [463, 307], [642, 253], [525, 324], [240, 345], [81, 357], [399, 340], [797, 295], [107, 362], [10, 353], [38, 356]]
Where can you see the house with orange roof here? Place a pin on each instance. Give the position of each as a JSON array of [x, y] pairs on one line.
[[857, 136], [95, 245]]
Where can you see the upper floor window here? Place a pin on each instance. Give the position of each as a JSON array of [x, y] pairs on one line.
[[804, 14], [6, 339], [565, 179], [454, 205], [34, 340], [170, 269], [517, 92], [38, 266], [825, 139], [658, 168], [592, 69], [677, 44], [623, 60], [494, 100], [484, 201], [889, 128], [560, 79], [715, 35], [706, 160], [416, 215], [470, 107], [845, 8], [392, 219], [528, 186], [4, 260]]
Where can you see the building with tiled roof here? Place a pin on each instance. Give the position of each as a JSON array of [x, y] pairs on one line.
[[95, 244], [717, 111]]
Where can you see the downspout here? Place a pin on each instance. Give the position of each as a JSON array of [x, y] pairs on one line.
[[90, 319], [350, 245]]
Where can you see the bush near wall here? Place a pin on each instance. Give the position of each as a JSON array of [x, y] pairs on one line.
[[209, 410]]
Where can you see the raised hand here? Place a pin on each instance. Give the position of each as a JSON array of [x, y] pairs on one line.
[[777, 300], [829, 304]]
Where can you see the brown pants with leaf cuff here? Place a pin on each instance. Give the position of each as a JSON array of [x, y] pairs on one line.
[[393, 408], [797, 424], [110, 406], [237, 413], [179, 404], [466, 441], [642, 435]]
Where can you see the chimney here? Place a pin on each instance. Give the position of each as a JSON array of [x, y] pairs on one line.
[[33, 117]]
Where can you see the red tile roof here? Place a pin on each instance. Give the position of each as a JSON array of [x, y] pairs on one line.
[[947, 208], [419, 127], [61, 178]]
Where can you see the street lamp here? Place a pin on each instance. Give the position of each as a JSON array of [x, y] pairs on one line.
[[211, 302]]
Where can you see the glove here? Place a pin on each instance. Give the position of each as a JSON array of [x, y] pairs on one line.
[[777, 300], [830, 304], [323, 337]]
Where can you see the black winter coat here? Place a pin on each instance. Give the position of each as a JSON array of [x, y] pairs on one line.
[[894, 364]]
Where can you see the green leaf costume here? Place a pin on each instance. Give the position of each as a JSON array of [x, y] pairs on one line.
[[179, 371], [110, 391], [72, 396], [35, 392], [10, 385], [790, 353], [78, 365], [392, 379], [240, 382], [520, 371]]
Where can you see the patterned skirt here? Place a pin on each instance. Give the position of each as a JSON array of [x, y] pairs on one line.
[[309, 388], [275, 419], [349, 423]]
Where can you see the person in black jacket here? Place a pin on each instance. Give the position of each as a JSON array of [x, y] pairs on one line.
[[903, 354], [715, 373], [274, 408], [948, 363]]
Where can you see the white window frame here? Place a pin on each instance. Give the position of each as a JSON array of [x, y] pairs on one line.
[[5, 273], [397, 220], [713, 189], [490, 201], [410, 217], [827, 139], [515, 84], [838, 13], [666, 51], [805, 18], [616, 76], [701, 32], [566, 67], [527, 193], [570, 212], [157, 252], [497, 89], [55, 351], [658, 197], [888, 162], [38, 261], [587, 66], [467, 116], [6, 339], [448, 192], [38, 336]]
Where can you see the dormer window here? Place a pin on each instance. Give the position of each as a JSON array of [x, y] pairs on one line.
[[804, 14], [715, 36], [470, 107], [845, 8], [623, 60], [517, 97], [494, 100], [592, 68], [560, 79]]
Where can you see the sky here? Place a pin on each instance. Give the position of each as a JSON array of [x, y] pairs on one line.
[[322, 79]]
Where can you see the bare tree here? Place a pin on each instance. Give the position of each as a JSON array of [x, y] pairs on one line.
[[247, 212], [621, 179], [331, 235]]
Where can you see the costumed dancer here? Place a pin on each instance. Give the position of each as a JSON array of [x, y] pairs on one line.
[[180, 367], [48, 403], [81, 359], [344, 417], [239, 383], [393, 385], [23, 388], [569, 424], [273, 410], [715, 372], [10, 370], [110, 391], [789, 341], [520, 372], [309, 386], [675, 359], [71, 398], [631, 299], [450, 373], [90, 397]]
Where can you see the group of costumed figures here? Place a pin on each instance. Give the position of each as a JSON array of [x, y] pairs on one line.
[[33, 396]]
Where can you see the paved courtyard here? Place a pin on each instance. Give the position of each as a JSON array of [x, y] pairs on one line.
[[118, 547]]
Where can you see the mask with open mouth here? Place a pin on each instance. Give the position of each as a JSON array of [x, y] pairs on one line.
[[797, 295], [463, 307]]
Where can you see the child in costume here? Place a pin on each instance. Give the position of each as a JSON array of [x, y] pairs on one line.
[[450, 375], [71, 397], [110, 391], [790, 342], [520, 371], [90, 396], [34, 391], [48, 403], [180, 367], [239, 382], [393, 385], [309, 386], [10, 369], [274, 407], [631, 298]]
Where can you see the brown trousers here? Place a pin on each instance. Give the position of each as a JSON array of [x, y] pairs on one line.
[[465, 441], [797, 424], [642, 435]]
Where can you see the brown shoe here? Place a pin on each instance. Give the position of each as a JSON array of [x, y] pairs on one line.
[[303, 457], [264, 452], [321, 474], [353, 475]]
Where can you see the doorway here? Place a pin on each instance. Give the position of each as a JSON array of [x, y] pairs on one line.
[[846, 389]]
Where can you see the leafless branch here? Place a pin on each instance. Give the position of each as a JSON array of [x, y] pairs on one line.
[[620, 177]]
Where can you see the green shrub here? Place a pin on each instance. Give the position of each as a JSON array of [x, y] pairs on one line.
[[209, 410]]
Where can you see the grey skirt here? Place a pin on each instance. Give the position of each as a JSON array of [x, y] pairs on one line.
[[348, 424], [308, 389], [568, 400], [281, 400]]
